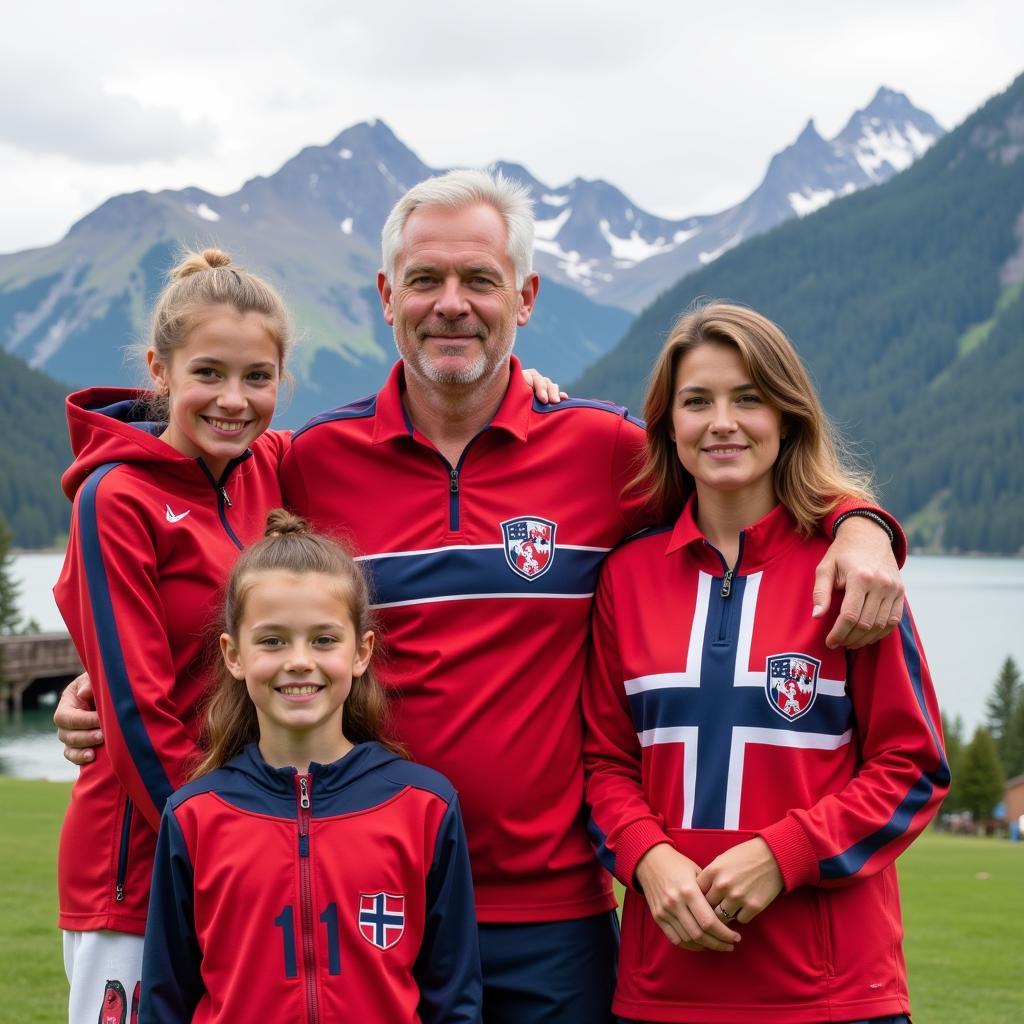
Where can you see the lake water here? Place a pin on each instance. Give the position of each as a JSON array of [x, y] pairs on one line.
[[969, 611]]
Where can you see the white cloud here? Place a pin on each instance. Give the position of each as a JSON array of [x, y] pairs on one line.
[[60, 110], [681, 106]]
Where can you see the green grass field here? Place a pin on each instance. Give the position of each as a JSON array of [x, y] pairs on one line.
[[963, 902]]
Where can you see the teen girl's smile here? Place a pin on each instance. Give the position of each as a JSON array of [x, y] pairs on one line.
[[221, 386]]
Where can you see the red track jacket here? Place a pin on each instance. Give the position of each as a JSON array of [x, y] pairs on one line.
[[153, 536], [339, 896], [715, 713]]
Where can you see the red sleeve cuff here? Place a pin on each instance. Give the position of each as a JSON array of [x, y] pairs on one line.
[[632, 843], [793, 851]]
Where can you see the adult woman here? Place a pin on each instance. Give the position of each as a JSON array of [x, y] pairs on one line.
[[737, 765]]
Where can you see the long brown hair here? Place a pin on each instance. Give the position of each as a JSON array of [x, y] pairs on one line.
[[814, 470], [289, 545]]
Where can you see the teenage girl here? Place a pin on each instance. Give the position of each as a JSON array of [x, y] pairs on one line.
[[167, 488], [750, 786], [310, 872]]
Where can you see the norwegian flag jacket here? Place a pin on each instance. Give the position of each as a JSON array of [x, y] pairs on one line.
[[715, 713], [153, 536], [339, 895]]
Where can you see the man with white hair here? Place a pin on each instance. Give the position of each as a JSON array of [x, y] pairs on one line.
[[438, 481]]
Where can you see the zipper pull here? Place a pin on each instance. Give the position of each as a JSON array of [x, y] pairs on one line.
[[119, 894], [304, 792], [224, 495], [453, 486], [727, 584]]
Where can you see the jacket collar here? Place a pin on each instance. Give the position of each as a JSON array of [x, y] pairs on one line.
[[392, 419], [760, 543], [327, 778]]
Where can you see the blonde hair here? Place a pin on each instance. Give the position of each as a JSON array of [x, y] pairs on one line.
[[289, 545], [200, 281], [814, 470]]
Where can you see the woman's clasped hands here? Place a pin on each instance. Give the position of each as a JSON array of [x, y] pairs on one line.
[[695, 906]]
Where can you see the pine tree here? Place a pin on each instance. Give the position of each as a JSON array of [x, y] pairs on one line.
[[10, 616], [981, 776], [1006, 694], [1013, 742]]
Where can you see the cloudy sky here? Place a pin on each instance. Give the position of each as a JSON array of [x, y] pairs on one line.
[[679, 105]]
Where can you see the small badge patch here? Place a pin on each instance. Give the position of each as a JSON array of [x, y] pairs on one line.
[[529, 545], [381, 918], [792, 684]]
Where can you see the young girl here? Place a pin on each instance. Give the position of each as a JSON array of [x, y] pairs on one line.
[[310, 872], [167, 488], [750, 786]]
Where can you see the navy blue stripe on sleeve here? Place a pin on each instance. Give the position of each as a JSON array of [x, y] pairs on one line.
[[172, 984], [447, 969], [358, 410], [588, 403], [122, 696], [850, 861], [599, 841]]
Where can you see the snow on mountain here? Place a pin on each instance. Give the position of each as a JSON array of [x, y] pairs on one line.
[[592, 237], [887, 136]]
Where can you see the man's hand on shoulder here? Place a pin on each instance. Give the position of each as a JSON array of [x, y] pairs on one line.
[[860, 562]]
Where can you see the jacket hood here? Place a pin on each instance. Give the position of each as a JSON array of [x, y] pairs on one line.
[[113, 425]]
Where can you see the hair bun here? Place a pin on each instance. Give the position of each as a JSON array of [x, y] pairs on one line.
[[196, 262], [281, 523]]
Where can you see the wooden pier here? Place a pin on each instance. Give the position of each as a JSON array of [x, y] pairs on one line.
[[31, 658]]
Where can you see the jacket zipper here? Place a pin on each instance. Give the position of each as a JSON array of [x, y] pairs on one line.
[[122, 852], [303, 785], [725, 592], [224, 501], [453, 483], [453, 499]]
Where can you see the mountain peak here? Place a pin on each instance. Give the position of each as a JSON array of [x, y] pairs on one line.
[[810, 133], [892, 108], [374, 131], [886, 99], [517, 172]]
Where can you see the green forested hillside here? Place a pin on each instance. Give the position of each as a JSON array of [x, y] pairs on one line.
[[34, 451], [906, 302]]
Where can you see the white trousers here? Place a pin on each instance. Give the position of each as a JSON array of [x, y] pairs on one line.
[[104, 970]]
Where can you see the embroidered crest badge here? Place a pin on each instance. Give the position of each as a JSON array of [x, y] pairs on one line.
[[381, 918], [529, 545], [792, 684]]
